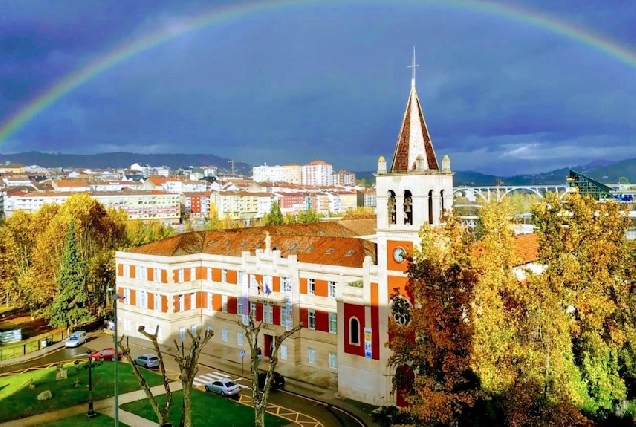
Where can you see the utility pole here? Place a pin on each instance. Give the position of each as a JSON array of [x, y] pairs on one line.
[[232, 163]]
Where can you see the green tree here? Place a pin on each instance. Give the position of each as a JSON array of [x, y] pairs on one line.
[[275, 216], [307, 216], [213, 223], [69, 308]]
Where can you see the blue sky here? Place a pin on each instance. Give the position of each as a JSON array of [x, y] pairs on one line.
[[324, 80]]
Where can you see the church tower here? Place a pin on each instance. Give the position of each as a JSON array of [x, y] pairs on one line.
[[410, 192]]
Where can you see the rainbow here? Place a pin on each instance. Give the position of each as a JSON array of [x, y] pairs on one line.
[[228, 14]]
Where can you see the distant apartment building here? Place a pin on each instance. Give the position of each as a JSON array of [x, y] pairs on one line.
[[71, 186], [19, 180], [293, 174], [366, 198], [197, 205], [143, 205], [342, 201], [147, 170], [9, 167], [344, 178], [241, 205], [317, 173], [268, 173]]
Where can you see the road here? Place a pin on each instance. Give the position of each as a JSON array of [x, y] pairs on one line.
[[327, 415]]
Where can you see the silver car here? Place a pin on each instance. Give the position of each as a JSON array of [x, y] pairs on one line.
[[223, 387], [76, 339], [147, 361]]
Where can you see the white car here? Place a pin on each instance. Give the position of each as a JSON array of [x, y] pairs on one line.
[[76, 339], [223, 387], [147, 361]]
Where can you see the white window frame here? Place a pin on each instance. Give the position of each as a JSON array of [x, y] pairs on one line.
[[253, 283], [142, 301], [193, 300], [268, 313], [333, 323], [240, 277], [311, 356], [224, 335], [239, 339], [210, 274], [210, 301], [351, 319], [311, 319], [283, 316], [182, 333], [224, 303], [253, 308], [181, 302], [181, 277], [127, 295], [311, 286], [142, 273], [157, 275], [223, 275], [127, 271], [239, 305], [283, 351], [193, 329], [332, 289], [333, 360], [193, 274], [267, 283], [157, 302]]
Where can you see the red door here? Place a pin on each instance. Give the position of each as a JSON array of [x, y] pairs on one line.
[[268, 345]]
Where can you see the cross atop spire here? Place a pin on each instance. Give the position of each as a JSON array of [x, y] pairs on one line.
[[412, 66]]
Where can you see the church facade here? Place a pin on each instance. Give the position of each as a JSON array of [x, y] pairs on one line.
[[335, 278]]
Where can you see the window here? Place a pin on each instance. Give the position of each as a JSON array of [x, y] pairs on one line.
[[267, 284], [210, 273], [126, 270], [142, 273], [224, 303], [354, 331], [253, 308], [312, 356], [157, 302], [224, 334], [333, 323], [268, 313], [127, 295], [239, 339], [311, 318], [193, 273], [332, 289], [287, 284], [158, 329], [210, 301], [253, 282], [181, 303], [193, 301], [333, 360], [224, 275], [311, 286], [239, 305], [157, 275], [283, 351], [241, 278], [181, 275], [283, 316], [142, 301], [193, 329], [182, 333]]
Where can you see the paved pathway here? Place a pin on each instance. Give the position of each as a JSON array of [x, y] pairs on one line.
[[201, 380]]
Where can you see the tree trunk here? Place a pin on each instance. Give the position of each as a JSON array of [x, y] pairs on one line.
[[186, 419], [259, 415]]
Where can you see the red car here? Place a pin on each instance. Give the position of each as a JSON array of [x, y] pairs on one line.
[[105, 354]]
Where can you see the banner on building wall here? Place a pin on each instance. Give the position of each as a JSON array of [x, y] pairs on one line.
[[288, 303], [245, 291], [368, 351]]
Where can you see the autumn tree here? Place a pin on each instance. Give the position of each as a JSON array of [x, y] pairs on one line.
[[252, 329], [69, 308], [584, 248], [274, 217], [432, 330], [214, 222]]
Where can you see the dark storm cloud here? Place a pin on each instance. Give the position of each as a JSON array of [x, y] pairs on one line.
[[300, 83]]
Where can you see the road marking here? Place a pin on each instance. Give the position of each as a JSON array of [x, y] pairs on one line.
[[201, 380]]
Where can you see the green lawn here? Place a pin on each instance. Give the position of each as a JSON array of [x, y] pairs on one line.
[[207, 409], [16, 394], [100, 420]]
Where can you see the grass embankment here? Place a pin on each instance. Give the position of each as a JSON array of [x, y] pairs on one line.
[[18, 392], [207, 409]]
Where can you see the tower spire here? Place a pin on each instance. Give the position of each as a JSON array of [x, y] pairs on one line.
[[412, 66]]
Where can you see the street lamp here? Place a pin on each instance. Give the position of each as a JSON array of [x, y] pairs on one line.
[[116, 357], [89, 365]]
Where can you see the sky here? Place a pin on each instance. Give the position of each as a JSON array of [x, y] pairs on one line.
[[278, 82]]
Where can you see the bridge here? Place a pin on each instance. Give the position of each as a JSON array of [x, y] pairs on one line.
[[497, 193]]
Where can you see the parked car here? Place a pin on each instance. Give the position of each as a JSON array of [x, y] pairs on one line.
[[105, 354], [76, 339], [223, 387], [147, 361], [278, 381]]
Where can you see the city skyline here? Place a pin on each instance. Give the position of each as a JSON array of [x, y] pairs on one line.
[[520, 87]]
